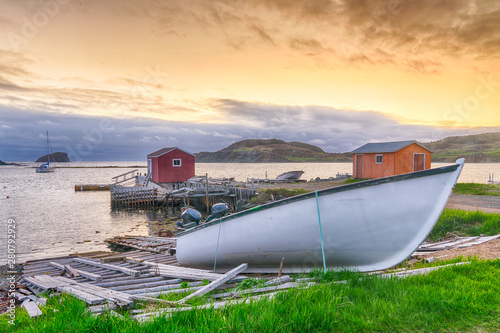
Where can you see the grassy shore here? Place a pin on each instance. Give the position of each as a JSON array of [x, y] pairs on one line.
[[477, 189], [462, 298], [465, 223]]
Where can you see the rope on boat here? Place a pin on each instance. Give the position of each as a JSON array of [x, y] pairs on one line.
[[217, 249], [320, 233]]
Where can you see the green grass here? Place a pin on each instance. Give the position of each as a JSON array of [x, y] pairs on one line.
[[353, 180], [276, 193], [477, 189], [465, 223], [462, 298]]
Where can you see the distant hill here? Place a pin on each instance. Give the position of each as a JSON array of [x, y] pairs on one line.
[[479, 148], [55, 157], [270, 151]]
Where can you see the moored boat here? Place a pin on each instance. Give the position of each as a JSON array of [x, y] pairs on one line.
[[45, 167], [363, 226], [290, 175]]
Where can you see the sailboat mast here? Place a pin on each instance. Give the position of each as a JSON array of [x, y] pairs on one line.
[[48, 150]]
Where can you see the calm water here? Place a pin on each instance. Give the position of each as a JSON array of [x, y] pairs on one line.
[[52, 219]]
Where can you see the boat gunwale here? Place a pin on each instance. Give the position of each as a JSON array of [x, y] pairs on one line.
[[342, 188]]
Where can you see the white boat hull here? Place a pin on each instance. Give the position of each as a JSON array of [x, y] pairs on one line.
[[290, 175], [366, 226]]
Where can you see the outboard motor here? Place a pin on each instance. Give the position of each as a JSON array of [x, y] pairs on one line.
[[190, 219], [219, 210]]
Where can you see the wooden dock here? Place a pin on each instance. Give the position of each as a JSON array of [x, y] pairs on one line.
[[133, 197], [92, 187], [161, 245]]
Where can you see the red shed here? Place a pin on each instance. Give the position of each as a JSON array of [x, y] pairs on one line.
[[383, 159], [171, 165]]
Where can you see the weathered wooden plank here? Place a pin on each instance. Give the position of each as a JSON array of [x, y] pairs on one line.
[[41, 282], [478, 241], [144, 285], [117, 268], [135, 281], [145, 316], [209, 287], [183, 272], [101, 308], [168, 292], [104, 293], [161, 288], [32, 308], [84, 296], [240, 293], [279, 280], [71, 270], [419, 271], [24, 291], [20, 297], [112, 259]]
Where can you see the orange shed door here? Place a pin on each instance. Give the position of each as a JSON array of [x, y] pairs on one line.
[[418, 162], [359, 166]]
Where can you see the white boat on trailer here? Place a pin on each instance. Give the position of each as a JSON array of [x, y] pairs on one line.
[[365, 226]]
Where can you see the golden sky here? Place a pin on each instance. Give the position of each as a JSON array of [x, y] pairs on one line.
[[426, 63]]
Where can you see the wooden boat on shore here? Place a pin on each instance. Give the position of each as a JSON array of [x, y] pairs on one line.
[[290, 175], [365, 226]]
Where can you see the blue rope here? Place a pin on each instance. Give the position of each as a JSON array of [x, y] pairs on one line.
[[321, 233], [217, 250]]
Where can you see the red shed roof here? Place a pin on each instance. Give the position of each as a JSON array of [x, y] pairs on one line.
[[164, 151]]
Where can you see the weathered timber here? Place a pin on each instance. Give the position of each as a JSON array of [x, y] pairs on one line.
[[99, 291], [20, 297], [240, 293], [117, 268], [32, 308], [82, 295], [73, 271], [135, 281], [145, 316], [183, 272], [168, 292], [92, 187], [161, 288], [223, 279], [101, 308], [278, 280], [145, 286], [419, 271]]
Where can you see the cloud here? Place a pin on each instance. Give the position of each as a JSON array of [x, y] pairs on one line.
[[262, 34], [10, 86], [98, 138]]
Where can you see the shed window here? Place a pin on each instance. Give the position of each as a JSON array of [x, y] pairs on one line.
[[176, 162], [379, 159]]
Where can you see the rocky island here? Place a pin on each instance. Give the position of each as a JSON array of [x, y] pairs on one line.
[[480, 148], [55, 157]]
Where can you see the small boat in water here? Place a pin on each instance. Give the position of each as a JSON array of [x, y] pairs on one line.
[[290, 175], [365, 226], [45, 167]]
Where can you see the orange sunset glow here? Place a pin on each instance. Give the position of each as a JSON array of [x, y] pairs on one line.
[[430, 67]]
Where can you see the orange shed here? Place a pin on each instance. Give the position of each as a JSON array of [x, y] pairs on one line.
[[383, 159]]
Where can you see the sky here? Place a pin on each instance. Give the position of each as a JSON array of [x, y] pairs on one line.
[[118, 79]]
